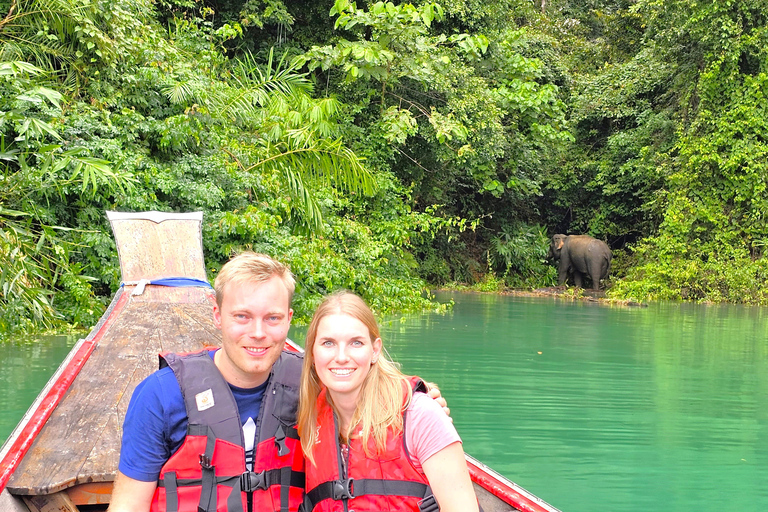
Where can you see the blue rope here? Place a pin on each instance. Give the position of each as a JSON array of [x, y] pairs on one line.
[[178, 282]]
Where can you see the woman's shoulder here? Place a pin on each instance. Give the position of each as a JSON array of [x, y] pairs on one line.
[[425, 414], [421, 403], [428, 429]]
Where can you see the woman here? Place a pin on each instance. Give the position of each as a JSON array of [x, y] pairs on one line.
[[371, 443]]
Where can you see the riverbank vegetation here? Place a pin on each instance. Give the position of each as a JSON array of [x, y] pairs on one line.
[[386, 147]]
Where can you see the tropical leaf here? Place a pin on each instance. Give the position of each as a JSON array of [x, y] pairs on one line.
[[179, 92], [256, 87], [303, 159], [23, 273], [16, 68], [36, 128]]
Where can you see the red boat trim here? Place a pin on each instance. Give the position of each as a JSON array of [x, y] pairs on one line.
[[291, 346], [504, 489], [55, 393]]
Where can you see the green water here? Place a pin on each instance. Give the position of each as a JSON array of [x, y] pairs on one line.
[[592, 408], [25, 367], [605, 408]]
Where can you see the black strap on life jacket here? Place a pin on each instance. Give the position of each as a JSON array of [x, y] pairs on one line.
[[208, 487], [250, 481], [288, 477], [171, 494], [247, 482], [351, 488], [281, 435]]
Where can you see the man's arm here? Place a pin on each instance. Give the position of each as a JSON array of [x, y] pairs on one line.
[[129, 495], [155, 423]]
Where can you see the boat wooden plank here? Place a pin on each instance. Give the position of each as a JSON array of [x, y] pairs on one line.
[[101, 462], [489, 502], [91, 415], [58, 502]]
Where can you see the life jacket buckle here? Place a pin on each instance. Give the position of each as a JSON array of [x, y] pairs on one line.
[[429, 504], [343, 489], [205, 461], [250, 481], [282, 448]]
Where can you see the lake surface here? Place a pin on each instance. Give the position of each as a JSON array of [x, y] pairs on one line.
[[605, 408], [25, 367], [590, 407]]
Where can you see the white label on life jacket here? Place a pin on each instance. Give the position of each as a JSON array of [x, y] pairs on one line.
[[249, 434], [204, 400]]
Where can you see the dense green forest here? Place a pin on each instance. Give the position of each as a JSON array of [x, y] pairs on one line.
[[387, 148]]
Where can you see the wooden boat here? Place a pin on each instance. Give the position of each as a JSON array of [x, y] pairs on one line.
[[63, 455]]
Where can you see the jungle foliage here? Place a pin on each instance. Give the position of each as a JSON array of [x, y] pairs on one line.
[[385, 147]]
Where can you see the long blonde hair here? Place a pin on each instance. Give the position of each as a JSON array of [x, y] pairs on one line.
[[383, 396]]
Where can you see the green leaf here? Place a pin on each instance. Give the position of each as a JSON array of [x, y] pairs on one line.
[[37, 128]]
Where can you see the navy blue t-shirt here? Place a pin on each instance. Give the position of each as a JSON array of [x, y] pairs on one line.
[[156, 423]]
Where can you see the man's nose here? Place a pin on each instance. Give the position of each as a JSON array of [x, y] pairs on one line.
[[257, 329]]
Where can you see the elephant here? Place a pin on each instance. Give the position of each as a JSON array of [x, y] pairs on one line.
[[582, 255]]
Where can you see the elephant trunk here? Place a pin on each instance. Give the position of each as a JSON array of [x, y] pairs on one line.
[[552, 255]]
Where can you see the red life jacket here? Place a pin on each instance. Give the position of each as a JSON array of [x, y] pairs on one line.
[[385, 481], [208, 472]]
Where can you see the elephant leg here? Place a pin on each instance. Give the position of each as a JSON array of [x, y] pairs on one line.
[[578, 278], [596, 273], [562, 274]]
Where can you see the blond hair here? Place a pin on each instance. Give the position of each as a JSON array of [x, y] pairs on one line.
[[383, 396], [252, 267]]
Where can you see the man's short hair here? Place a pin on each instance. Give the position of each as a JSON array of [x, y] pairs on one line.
[[252, 267]]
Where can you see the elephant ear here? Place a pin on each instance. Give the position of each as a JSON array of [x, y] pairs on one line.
[[560, 243]]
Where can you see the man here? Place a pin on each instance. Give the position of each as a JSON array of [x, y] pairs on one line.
[[187, 443]]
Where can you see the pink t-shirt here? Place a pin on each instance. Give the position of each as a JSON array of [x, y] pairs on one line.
[[428, 429]]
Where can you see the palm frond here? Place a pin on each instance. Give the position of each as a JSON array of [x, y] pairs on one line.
[[25, 270], [255, 86], [179, 93], [303, 159]]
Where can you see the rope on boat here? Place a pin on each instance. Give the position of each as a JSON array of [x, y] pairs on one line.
[[165, 281]]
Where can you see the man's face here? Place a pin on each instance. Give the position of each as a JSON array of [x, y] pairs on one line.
[[254, 319]]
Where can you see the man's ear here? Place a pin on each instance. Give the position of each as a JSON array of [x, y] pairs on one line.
[[217, 316]]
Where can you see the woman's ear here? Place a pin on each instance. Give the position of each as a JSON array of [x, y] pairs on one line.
[[376, 350]]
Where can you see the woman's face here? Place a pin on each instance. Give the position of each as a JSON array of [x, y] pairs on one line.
[[344, 351]]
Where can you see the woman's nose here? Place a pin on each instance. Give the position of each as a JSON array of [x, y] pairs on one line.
[[341, 353]]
